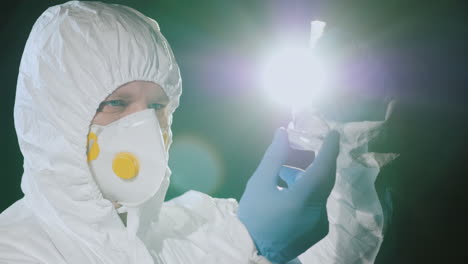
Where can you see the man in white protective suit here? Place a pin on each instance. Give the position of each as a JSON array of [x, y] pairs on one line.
[[96, 91]]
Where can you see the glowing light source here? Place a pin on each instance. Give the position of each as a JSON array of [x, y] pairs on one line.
[[293, 75]]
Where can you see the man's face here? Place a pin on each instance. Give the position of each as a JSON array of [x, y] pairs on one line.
[[131, 98]]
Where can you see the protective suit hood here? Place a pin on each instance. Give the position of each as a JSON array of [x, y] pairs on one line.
[[76, 55]]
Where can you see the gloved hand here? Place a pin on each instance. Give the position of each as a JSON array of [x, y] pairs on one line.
[[285, 222], [289, 175]]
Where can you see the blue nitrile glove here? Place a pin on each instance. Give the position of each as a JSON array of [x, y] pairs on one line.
[[285, 222], [289, 174]]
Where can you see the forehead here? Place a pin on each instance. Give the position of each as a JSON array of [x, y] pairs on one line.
[[135, 89]]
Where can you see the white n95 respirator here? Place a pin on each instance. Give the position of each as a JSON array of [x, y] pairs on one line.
[[128, 158]]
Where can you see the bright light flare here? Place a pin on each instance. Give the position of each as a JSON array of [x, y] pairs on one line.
[[293, 76]]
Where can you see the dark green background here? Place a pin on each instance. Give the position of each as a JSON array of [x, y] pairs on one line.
[[422, 45]]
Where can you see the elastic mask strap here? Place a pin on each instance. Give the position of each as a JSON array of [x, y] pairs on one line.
[[133, 222], [122, 209]]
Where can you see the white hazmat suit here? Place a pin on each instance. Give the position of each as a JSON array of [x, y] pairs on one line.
[[76, 55]]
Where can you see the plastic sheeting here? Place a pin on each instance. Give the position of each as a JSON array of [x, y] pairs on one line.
[[354, 211]]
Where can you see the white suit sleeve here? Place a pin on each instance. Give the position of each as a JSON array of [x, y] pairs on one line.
[[196, 228]]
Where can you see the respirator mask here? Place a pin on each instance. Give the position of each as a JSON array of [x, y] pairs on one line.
[[128, 158]]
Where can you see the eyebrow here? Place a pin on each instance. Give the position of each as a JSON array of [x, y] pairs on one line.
[[163, 98], [121, 95]]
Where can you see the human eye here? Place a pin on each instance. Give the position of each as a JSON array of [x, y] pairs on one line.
[[111, 106], [156, 106]]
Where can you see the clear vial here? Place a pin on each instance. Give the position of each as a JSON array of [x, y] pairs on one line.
[[307, 130]]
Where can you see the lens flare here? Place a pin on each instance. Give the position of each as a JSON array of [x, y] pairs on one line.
[[195, 165]]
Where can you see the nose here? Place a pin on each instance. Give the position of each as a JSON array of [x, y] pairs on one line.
[[136, 106], [141, 105]]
